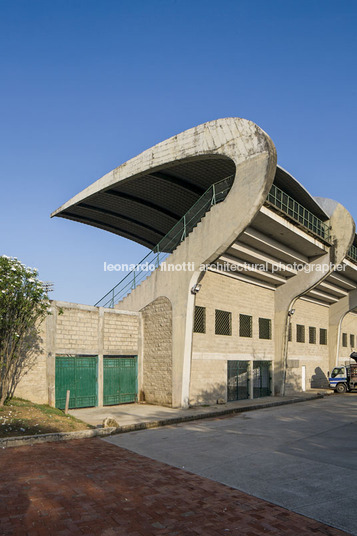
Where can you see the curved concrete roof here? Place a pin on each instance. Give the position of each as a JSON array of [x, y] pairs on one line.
[[288, 183], [142, 201]]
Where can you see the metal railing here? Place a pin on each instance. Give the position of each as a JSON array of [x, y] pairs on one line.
[[298, 213], [352, 253], [214, 195]]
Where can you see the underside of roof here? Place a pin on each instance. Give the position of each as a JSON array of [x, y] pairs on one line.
[[144, 208]]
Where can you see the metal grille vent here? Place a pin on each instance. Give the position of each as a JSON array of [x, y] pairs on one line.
[[245, 326], [223, 322], [323, 336], [199, 325], [312, 335], [264, 328], [300, 333]]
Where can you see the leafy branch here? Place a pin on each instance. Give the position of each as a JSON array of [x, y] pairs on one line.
[[23, 306]]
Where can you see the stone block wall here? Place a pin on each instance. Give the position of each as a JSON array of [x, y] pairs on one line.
[[210, 352], [208, 381], [121, 332], [76, 330], [157, 352], [228, 294]]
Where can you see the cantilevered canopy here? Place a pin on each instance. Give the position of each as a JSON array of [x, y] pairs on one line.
[[145, 207]]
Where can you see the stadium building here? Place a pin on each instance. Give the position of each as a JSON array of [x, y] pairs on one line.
[[249, 287]]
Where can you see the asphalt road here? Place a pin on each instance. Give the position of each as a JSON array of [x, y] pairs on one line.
[[302, 456]]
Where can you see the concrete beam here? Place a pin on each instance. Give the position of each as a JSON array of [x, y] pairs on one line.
[[333, 289], [242, 267], [257, 257], [245, 279], [277, 249]]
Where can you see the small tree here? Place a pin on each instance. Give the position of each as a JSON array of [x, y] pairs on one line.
[[23, 306]]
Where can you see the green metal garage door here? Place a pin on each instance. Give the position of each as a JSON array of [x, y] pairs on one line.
[[119, 379], [79, 374]]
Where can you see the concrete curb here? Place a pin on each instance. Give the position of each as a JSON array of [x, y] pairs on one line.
[[103, 432], [57, 436]]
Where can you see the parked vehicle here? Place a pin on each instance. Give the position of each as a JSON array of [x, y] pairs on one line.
[[344, 377]]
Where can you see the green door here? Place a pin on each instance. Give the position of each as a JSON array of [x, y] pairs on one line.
[[79, 375], [261, 379], [237, 380], [119, 380]]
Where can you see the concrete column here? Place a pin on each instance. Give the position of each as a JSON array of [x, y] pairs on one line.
[[337, 313], [185, 317], [342, 236], [254, 156], [284, 299]]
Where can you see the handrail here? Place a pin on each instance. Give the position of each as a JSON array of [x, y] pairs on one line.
[[352, 253], [215, 194], [286, 204]]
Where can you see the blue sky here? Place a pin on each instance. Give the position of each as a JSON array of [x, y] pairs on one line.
[[87, 84]]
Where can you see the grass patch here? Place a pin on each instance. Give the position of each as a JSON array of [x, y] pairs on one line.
[[21, 417]]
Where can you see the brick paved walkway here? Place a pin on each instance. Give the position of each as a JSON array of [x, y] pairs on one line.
[[90, 487]]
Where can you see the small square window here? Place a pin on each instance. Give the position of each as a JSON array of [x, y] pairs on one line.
[[352, 341], [344, 340], [223, 323], [300, 333], [312, 335], [245, 326], [199, 325], [264, 328], [323, 336]]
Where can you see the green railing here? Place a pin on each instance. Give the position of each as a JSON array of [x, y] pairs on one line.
[[352, 253], [298, 213], [214, 195]]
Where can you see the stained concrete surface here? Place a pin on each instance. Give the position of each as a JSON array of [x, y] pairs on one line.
[[301, 456], [131, 414]]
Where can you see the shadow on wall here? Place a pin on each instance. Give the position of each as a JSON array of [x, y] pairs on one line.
[[319, 379], [217, 393]]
